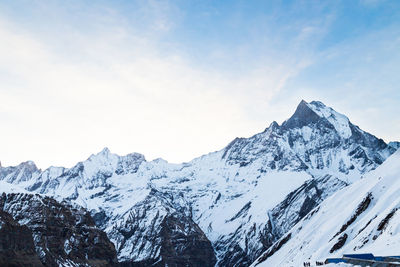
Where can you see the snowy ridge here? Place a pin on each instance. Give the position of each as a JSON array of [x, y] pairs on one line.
[[231, 195], [361, 218], [339, 121], [21, 173], [395, 145]]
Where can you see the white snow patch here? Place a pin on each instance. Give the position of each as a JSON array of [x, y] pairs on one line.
[[10, 188], [339, 121]]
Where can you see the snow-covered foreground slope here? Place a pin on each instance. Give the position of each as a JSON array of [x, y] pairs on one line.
[[361, 218], [242, 198]]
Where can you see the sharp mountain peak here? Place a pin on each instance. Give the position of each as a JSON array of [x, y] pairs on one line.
[[317, 112]]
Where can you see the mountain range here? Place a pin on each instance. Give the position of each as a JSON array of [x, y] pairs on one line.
[[255, 201]]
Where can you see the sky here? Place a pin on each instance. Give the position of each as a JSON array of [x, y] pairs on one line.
[[179, 79]]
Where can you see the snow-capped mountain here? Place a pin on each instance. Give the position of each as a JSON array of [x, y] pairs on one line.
[[231, 205], [361, 218]]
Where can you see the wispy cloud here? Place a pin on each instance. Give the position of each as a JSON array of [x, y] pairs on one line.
[[117, 87], [164, 79]]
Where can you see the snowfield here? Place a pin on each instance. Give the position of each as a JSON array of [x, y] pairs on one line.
[[365, 215]]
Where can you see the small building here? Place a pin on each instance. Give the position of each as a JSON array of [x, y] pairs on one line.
[[367, 259]]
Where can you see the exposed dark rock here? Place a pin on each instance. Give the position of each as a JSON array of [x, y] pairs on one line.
[[308, 204], [184, 244], [241, 212], [366, 225], [16, 244], [360, 209], [100, 218], [271, 251], [61, 232], [163, 232], [395, 144], [301, 117], [385, 221], [340, 243], [233, 255], [129, 163]]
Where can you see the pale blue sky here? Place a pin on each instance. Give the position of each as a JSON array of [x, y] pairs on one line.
[[177, 79]]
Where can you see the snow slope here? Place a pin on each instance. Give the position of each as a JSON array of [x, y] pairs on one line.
[[364, 216], [11, 188]]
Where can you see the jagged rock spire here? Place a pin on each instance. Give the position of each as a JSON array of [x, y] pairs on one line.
[[303, 115]]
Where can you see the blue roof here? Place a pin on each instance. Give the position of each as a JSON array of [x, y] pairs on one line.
[[335, 260], [385, 258], [366, 256]]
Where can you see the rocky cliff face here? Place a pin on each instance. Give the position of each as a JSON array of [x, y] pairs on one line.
[[21, 173], [240, 199], [16, 244], [156, 232], [297, 205], [61, 234]]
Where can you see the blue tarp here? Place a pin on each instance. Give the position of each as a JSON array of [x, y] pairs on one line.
[[334, 260]]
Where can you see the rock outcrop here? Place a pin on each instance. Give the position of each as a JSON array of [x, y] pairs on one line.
[[61, 233], [16, 244]]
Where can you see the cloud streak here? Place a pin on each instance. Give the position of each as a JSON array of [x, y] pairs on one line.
[[117, 89], [160, 78]]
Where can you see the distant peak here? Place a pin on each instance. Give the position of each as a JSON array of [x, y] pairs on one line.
[[134, 156], [303, 102], [105, 151], [307, 113], [30, 165], [274, 125], [303, 105], [303, 116]]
